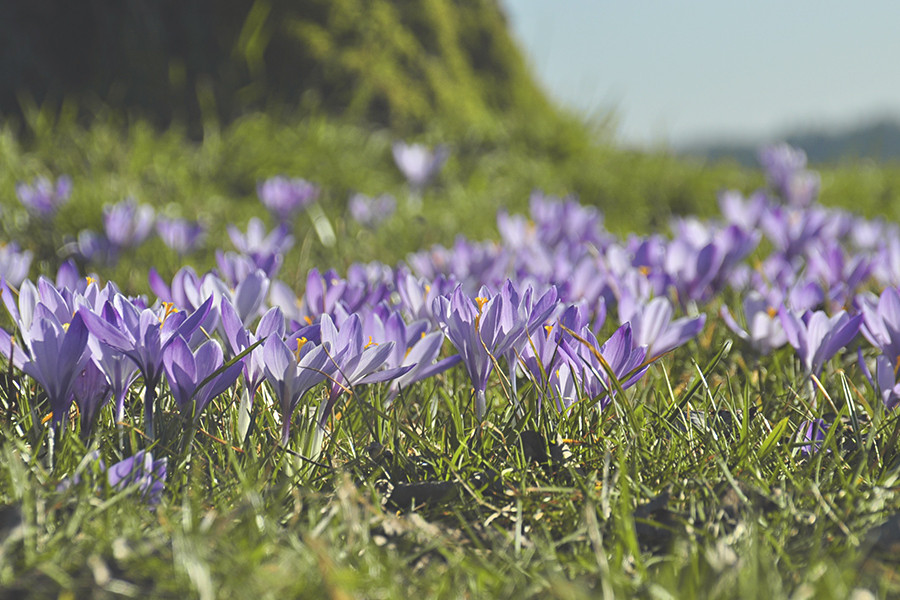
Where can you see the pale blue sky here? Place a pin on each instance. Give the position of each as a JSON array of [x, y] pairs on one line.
[[676, 72]]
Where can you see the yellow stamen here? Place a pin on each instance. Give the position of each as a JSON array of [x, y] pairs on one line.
[[308, 320], [427, 289], [170, 309], [91, 280], [644, 270], [66, 326], [548, 329], [771, 311], [301, 341], [371, 343], [47, 418]]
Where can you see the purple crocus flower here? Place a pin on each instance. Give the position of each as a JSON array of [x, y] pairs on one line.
[[143, 336], [286, 197], [881, 323], [549, 347], [180, 235], [818, 337], [764, 332], [188, 292], [42, 198], [885, 380], [370, 212], [91, 392], [140, 470], [356, 361], [812, 434], [418, 163], [483, 330], [54, 355], [119, 370], [239, 339], [128, 224], [415, 350], [417, 295], [653, 327], [589, 377], [186, 371], [293, 373]]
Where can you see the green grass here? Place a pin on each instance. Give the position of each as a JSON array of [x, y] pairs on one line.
[[640, 504]]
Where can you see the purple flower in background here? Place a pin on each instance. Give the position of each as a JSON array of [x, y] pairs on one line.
[[566, 222], [745, 213], [370, 212], [764, 332], [180, 235], [186, 371], [286, 197], [42, 198], [259, 242], [418, 163], [233, 268], [842, 274], [127, 223], [818, 337], [14, 263], [266, 250], [92, 247], [785, 169], [140, 470], [792, 230]]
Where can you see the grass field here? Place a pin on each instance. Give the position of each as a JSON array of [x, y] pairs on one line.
[[417, 497]]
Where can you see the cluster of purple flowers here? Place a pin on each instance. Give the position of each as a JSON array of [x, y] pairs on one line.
[[532, 308]]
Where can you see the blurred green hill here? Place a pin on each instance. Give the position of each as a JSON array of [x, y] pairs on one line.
[[395, 63]]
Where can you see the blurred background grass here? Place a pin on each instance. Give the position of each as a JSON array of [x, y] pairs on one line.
[[156, 101]]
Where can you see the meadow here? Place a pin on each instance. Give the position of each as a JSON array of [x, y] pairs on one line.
[[287, 359]]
